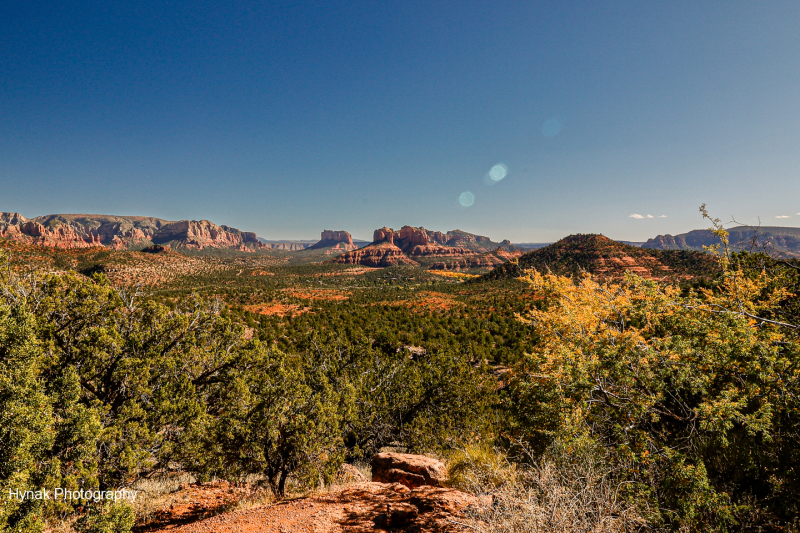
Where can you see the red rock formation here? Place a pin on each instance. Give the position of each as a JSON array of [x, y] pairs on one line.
[[384, 234], [339, 239], [460, 250], [409, 236], [431, 250], [60, 236], [475, 260], [120, 233], [200, 234], [382, 254], [14, 219], [408, 469]]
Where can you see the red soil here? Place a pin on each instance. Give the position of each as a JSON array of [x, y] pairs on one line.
[[359, 507]]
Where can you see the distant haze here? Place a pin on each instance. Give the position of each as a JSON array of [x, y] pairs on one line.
[[525, 121]]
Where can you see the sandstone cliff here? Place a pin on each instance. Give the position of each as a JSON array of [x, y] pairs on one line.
[[12, 219], [410, 236], [454, 250], [122, 232], [382, 254], [476, 260], [79, 231], [200, 234]]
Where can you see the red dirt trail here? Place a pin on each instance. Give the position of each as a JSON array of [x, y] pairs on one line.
[[355, 508]]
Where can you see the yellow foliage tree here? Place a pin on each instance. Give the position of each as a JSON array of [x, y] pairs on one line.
[[694, 393]]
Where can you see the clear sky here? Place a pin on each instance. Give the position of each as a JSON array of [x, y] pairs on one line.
[[285, 118]]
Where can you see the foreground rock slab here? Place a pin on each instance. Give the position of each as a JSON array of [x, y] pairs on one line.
[[355, 508], [408, 469]]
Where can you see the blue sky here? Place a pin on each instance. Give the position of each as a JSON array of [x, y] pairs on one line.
[[285, 118]]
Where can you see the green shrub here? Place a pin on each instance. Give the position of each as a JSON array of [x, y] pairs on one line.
[[694, 394], [281, 417], [436, 401], [106, 518], [26, 420]]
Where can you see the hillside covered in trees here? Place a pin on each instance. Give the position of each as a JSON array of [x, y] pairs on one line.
[[608, 259]]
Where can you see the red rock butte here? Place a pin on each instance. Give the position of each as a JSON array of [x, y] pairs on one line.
[[338, 239], [455, 250]]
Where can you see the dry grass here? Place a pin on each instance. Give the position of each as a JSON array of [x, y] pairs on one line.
[[365, 468], [177, 498], [156, 494], [557, 494]]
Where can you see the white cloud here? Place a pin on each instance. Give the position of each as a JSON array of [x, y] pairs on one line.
[[662, 216], [783, 216], [650, 216], [635, 215]]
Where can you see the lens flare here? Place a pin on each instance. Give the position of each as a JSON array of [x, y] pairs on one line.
[[466, 199], [498, 172], [551, 127]]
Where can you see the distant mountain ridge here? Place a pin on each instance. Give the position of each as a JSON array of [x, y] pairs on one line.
[[123, 232], [607, 258], [776, 240]]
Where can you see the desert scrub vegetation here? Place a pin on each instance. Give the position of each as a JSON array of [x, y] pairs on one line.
[[101, 386], [693, 394], [569, 490], [622, 405]]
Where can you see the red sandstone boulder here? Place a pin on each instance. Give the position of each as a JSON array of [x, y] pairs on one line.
[[408, 469]]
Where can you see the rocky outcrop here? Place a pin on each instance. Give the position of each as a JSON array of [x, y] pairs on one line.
[[432, 250], [454, 250], [354, 507], [15, 226], [408, 469], [409, 237], [383, 254], [342, 240], [122, 233], [79, 231], [200, 234], [14, 219], [475, 261]]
